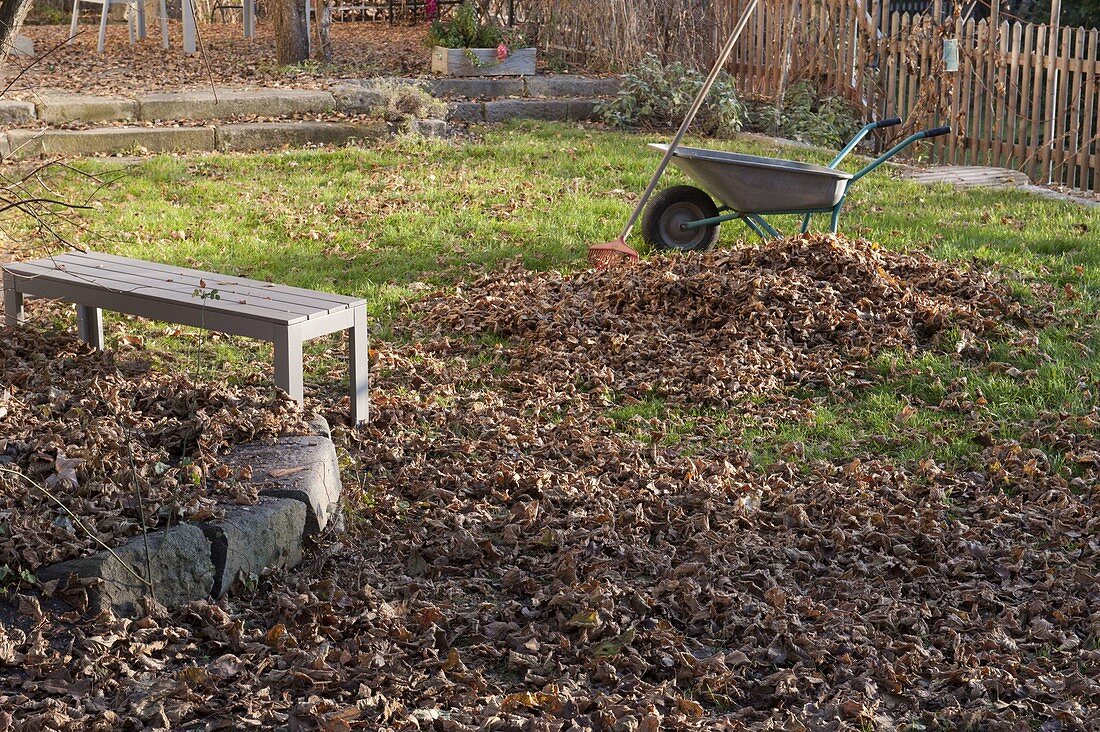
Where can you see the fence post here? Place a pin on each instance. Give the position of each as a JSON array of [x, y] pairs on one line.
[[1052, 87]]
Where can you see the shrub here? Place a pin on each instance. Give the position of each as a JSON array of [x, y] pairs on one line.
[[656, 96], [806, 116], [399, 103], [830, 121]]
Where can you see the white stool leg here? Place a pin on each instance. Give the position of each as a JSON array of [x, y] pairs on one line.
[[309, 33], [249, 19], [188, 27], [358, 356], [76, 18], [288, 360], [141, 19], [90, 321], [103, 26], [164, 22]]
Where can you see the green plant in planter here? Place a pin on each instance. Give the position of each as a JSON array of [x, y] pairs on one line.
[[468, 30]]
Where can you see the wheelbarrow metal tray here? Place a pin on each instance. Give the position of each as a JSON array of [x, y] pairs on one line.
[[753, 184]]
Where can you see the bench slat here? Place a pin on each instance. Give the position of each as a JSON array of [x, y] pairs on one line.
[[309, 295], [147, 290], [236, 286], [91, 295], [145, 283]]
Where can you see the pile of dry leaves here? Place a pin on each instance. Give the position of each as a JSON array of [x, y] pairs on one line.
[[511, 565], [802, 313], [113, 441], [228, 58]]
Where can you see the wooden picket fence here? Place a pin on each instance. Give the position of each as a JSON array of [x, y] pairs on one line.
[[1024, 96]]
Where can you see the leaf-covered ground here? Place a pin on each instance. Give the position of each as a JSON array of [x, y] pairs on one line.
[[533, 545], [121, 445], [359, 49]]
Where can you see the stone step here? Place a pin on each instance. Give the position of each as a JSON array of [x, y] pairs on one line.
[[58, 109], [24, 144], [490, 88], [503, 110]]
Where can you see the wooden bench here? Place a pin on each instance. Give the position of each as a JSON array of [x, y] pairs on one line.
[[285, 316]]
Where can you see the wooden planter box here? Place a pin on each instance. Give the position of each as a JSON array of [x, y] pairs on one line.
[[455, 62]]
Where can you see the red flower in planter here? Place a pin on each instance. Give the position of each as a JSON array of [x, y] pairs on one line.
[[502, 52], [431, 9]]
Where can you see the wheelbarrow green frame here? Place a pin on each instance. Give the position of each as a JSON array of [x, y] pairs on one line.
[[762, 228]]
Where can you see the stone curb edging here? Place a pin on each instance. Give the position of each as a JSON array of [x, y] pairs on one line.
[[492, 100], [345, 96], [300, 493], [195, 106], [472, 100], [530, 87], [235, 137]]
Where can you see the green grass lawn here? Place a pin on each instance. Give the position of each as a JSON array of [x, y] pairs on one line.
[[378, 221]]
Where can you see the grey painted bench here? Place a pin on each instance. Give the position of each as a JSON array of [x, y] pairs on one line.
[[285, 316]]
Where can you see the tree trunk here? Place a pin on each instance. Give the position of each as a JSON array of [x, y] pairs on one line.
[[291, 41], [324, 31], [12, 13]]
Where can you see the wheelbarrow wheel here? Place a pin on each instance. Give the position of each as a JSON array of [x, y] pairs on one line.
[[670, 210]]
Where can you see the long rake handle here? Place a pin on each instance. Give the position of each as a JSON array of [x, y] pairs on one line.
[[694, 110]]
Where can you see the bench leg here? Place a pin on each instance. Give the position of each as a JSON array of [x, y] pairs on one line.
[[357, 371], [288, 361], [13, 306], [91, 325], [103, 26]]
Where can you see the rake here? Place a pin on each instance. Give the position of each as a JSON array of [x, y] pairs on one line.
[[617, 252]]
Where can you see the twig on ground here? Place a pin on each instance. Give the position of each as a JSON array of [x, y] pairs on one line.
[[78, 522]]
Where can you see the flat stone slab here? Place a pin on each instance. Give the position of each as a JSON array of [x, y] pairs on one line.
[[14, 112], [432, 128], [356, 98], [273, 135], [250, 539], [203, 105], [22, 45], [110, 140], [64, 108], [969, 176], [179, 559], [303, 468], [472, 87]]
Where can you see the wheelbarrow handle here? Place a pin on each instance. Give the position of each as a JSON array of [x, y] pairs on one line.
[[866, 130], [936, 132], [915, 137]]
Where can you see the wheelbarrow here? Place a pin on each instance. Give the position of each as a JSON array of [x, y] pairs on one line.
[[748, 186]]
